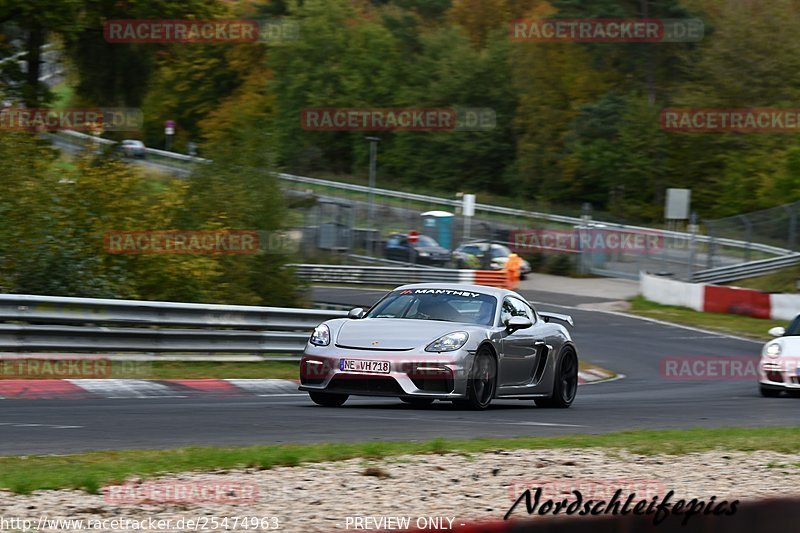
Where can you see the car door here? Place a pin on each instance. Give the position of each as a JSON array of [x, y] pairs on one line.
[[395, 248], [520, 348]]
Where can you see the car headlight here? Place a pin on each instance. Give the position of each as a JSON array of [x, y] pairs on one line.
[[321, 336], [423, 254], [774, 349], [448, 343]]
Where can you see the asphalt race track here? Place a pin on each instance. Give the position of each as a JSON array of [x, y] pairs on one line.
[[630, 346]]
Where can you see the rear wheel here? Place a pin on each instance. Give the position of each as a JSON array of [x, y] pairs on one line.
[[482, 381], [419, 402], [565, 386], [769, 392], [327, 399]]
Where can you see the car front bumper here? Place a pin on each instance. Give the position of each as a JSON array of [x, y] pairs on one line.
[[778, 374], [411, 374]]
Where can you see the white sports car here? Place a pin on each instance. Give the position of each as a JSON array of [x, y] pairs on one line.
[[779, 370]]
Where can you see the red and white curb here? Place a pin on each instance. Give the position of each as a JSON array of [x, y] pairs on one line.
[[78, 389], [84, 389], [594, 375]]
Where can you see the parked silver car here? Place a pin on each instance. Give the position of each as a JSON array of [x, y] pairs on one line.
[[467, 344], [467, 255], [133, 148]]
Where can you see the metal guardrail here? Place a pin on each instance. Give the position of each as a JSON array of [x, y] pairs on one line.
[[745, 270], [375, 275], [86, 137], [179, 157], [151, 151], [744, 245], [61, 324]]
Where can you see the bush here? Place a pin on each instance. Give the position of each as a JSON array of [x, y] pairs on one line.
[[560, 265]]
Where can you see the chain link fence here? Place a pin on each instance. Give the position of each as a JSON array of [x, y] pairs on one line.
[[776, 226], [335, 227]]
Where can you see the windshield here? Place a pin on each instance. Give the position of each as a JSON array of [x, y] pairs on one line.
[[447, 305], [426, 241], [794, 328], [498, 250]]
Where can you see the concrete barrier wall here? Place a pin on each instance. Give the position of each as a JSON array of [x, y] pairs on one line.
[[672, 292], [785, 306], [736, 301], [719, 299]]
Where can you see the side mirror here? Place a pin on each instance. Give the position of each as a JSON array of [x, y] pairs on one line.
[[777, 331], [356, 313], [518, 322]]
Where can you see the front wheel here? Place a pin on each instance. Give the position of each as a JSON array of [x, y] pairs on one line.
[[326, 399], [481, 383], [565, 387], [768, 392]]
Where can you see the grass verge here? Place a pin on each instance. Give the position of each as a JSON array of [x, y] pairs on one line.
[[91, 471], [742, 326], [52, 369], [781, 281]]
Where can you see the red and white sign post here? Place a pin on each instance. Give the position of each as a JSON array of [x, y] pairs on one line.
[[413, 238]]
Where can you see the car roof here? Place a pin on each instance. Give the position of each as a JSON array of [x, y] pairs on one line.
[[483, 289]]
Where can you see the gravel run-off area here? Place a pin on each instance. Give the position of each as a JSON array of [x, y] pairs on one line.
[[450, 487]]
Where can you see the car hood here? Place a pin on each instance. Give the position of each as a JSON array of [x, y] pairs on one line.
[[393, 333], [790, 345]]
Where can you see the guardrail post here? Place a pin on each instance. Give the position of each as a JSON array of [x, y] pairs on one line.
[[748, 236], [692, 235], [712, 244], [791, 242], [373, 155]]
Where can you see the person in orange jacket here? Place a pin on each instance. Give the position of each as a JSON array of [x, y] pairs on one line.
[[513, 267]]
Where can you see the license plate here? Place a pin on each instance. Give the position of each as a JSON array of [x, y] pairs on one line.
[[361, 365]]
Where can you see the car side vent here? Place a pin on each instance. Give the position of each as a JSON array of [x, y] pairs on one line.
[[541, 364]]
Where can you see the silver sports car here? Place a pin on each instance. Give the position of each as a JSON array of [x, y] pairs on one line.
[[467, 344]]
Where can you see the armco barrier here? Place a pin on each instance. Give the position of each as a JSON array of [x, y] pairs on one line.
[[750, 269], [719, 299], [47, 323]]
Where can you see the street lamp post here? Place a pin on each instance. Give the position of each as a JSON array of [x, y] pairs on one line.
[[373, 156]]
